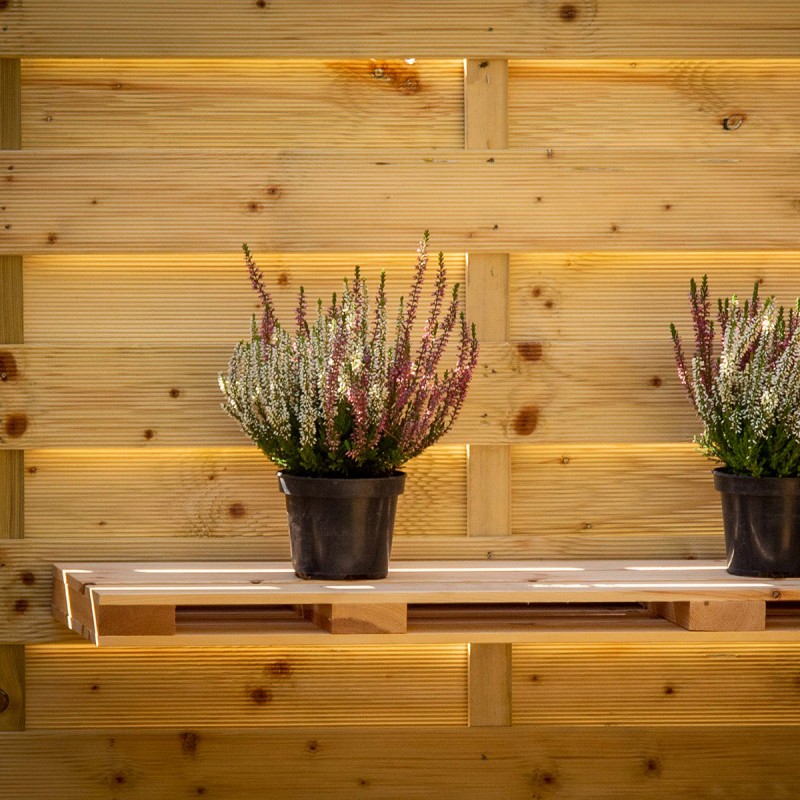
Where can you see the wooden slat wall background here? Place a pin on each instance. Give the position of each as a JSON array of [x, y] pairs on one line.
[[613, 149]]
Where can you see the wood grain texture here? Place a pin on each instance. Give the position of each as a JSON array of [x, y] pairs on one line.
[[209, 493], [12, 526], [633, 296], [11, 312], [12, 688], [613, 490], [124, 397], [653, 103], [489, 685], [10, 104], [488, 466], [573, 763], [354, 28], [485, 104], [295, 201], [249, 686], [234, 103], [488, 490], [122, 299], [638, 684], [487, 276]]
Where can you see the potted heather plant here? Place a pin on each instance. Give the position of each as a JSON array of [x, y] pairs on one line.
[[340, 409], [745, 385]]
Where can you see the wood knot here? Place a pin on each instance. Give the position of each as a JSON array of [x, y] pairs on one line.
[[402, 77], [526, 420], [273, 191], [568, 12], [652, 766], [733, 122], [313, 746], [656, 381], [148, 434], [174, 392], [669, 690], [8, 366], [27, 577], [236, 510], [189, 740], [21, 605], [261, 696], [254, 207], [15, 425], [530, 351], [52, 238], [280, 668], [261, 3], [544, 778], [283, 279]]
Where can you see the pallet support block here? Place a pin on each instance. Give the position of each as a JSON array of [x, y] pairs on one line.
[[714, 615], [357, 618], [136, 620]]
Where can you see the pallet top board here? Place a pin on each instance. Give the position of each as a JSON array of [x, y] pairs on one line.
[[274, 583], [227, 602]]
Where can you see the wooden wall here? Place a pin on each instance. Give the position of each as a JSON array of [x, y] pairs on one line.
[[577, 161]]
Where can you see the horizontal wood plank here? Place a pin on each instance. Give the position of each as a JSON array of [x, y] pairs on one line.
[[208, 493], [76, 687], [619, 490], [448, 28], [604, 492], [79, 201], [167, 396], [662, 763], [641, 684], [232, 103], [653, 103], [633, 296], [122, 299], [226, 583]]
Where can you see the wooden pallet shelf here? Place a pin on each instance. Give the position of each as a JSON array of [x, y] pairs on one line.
[[206, 603]]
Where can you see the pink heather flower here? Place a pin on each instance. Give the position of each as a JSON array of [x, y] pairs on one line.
[[336, 399]]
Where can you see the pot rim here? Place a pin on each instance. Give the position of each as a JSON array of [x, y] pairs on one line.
[[301, 486], [731, 483]]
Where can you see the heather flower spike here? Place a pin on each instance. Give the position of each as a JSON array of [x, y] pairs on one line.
[[336, 399], [745, 385]]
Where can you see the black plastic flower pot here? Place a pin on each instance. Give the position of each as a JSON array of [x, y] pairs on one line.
[[761, 517], [341, 528]]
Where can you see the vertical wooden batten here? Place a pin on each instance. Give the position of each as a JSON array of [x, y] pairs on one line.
[[488, 466], [12, 657]]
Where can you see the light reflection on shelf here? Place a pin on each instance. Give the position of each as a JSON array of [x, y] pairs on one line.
[[675, 569], [356, 586], [393, 570], [653, 585], [214, 570], [199, 589]]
